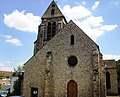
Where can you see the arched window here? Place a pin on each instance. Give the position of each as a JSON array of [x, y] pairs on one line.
[[52, 11], [53, 28], [49, 31], [108, 80], [53, 5], [72, 40]]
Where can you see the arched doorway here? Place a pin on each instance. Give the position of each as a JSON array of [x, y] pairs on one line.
[[108, 86], [72, 89]]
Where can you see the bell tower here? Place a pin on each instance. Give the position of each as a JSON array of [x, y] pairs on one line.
[[52, 21]]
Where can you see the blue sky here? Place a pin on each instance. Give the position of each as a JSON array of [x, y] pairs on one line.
[[99, 19]]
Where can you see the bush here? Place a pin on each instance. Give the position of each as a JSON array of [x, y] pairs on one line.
[[0, 86], [17, 87]]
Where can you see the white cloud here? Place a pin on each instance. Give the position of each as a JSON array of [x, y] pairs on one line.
[[7, 36], [96, 4], [76, 12], [108, 27], [93, 26], [22, 21], [110, 56], [12, 41], [93, 33], [4, 66], [15, 42], [93, 21]]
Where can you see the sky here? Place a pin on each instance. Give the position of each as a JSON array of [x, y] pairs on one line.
[[19, 20]]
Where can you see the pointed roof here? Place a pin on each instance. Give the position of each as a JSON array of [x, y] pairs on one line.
[[57, 12]]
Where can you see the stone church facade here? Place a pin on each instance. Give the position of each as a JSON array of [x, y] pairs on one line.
[[66, 62]]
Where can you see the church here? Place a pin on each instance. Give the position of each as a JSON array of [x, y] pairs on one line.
[[66, 62]]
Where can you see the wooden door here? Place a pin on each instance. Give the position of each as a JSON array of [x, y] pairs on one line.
[[72, 89]]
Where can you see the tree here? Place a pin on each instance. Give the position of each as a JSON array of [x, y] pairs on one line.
[[19, 68], [0, 86], [17, 87], [19, 71], [1, 75]]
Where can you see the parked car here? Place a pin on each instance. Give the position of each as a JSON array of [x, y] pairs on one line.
[[3, 94]]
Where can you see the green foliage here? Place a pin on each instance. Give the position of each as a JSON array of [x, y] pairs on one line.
[[1, 75], [118, 71], [17, 84], [10, 94], [17, 88], [0, 86]]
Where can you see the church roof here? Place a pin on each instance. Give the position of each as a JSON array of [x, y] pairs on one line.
[[57, 12]]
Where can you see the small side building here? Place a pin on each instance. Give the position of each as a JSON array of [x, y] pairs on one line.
[[111, 78]]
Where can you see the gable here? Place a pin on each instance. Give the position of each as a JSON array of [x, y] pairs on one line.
[[53, 11], [63, 37]]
